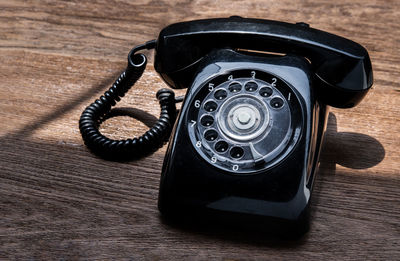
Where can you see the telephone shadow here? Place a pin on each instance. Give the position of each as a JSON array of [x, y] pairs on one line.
[[349, 149], [146, 118]]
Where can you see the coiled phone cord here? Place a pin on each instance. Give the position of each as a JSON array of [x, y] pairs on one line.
[[99, 110]]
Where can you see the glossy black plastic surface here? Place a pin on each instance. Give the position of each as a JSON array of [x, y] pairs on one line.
[[214, 166], [342, 68], [191, 185]]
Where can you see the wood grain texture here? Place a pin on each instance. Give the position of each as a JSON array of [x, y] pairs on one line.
[[58, 201]]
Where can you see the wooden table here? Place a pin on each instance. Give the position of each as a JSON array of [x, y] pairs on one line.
[[58, 201]]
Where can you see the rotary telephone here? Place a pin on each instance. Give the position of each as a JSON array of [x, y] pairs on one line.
[[246, 141]]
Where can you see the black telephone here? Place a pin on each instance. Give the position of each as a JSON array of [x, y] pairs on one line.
[[246, 142]]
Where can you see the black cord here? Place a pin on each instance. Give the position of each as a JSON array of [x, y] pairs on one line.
[[98, 111]]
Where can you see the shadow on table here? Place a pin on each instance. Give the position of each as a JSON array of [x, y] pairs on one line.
[[349, 149], [352, 150]]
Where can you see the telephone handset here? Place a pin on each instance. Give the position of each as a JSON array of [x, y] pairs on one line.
[[246, 142]]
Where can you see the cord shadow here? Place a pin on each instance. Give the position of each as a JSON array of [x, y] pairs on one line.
[[148, 119]]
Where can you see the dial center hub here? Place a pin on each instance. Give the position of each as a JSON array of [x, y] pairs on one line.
[[243, 117]]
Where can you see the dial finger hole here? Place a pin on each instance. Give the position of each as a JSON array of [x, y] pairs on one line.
[[266, 91], [236, 152], [207, 121], [277, 102], [235, 87], [220, 94], [210, 106], [221, 146], [251, 86], [211, 135]]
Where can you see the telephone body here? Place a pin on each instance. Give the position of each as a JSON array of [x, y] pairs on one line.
[[246, 141]]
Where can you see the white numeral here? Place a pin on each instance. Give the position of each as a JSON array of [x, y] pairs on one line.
[[235, 167], [230, 77], [214, 159], [273, 84], [210, 87], [197, 104], [198, 144], [253, 74], [193, 123]]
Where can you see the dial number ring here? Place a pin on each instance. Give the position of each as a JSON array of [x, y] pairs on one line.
[[253, 128]]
